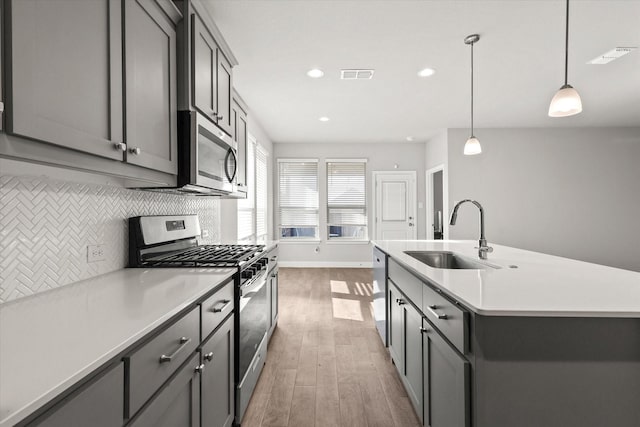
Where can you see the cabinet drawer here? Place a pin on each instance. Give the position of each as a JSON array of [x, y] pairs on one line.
[[449, 318], [408, 284], [99, 404], [215, 308], [151, 365]]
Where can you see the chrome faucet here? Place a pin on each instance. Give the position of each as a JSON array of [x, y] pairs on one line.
[[483, 248]]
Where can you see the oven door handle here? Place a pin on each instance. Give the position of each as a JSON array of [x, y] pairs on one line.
[[258, 283]]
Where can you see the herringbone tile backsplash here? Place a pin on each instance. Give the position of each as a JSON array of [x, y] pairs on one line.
[[46, 225]]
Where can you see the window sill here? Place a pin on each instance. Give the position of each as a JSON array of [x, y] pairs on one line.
[[289, 241], [347, 242]]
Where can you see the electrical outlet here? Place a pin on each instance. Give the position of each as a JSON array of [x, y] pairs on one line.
[[96, 253], [205, 234]]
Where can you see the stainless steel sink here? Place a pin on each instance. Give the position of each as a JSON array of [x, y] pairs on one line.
[[447, 260]]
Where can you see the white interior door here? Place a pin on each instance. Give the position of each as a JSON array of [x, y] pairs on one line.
[[395, 215]]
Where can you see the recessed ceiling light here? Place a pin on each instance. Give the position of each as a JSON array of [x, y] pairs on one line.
[[316, 73], [409, 138], [324, 119], [426, 72]]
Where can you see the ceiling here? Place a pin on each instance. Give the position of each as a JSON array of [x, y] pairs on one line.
[[519, 63]]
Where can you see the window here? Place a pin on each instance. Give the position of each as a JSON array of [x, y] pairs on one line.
[[246, 207], [346, 199], [262, 202], [298, 198], [253, 211]]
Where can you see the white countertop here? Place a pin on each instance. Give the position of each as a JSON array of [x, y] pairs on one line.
[[542, 285], [51, 340]]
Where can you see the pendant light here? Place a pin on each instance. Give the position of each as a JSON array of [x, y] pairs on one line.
[[472, 146], [566, 102]]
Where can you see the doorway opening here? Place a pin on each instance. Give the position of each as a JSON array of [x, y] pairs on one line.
[[437, 203]]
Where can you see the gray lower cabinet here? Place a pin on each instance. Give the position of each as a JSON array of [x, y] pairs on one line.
[[98, 404], [395, 326], [64, 74], [150, 70], [176, 405], [217, 382], [446, 382]]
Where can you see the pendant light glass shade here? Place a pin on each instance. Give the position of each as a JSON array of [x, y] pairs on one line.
[[472, 146], [566, 102]]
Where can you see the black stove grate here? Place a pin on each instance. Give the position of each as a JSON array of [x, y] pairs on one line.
[[207, 256]]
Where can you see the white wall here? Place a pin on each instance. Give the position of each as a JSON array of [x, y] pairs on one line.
[[229, 207], [568, 192], [380, 157]]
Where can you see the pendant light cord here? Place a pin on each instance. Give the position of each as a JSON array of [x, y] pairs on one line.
[[471, 89], [566, 47]]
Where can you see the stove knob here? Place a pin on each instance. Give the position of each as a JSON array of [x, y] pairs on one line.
[[247, 274]]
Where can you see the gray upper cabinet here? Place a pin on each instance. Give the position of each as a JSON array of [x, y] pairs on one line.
[[212, 81], [65, 74], [240, 135], [446, 383], [150, 70], [98, 404]]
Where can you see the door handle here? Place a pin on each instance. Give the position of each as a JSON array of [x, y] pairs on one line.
[[410, 224], [183, 342]]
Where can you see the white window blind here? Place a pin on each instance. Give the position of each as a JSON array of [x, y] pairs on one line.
[[346, 200], [246, 211], [262, 204], [298, 198]]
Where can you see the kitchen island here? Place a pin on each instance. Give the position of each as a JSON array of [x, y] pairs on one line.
[[527, 340]]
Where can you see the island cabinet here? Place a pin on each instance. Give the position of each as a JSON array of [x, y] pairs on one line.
[[212, 76], [423, 346], [99, 79]]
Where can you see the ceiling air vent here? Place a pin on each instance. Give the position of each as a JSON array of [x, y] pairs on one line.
[[356, 74], [607, 57]]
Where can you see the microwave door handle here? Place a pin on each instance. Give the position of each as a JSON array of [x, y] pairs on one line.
[[226, 165]]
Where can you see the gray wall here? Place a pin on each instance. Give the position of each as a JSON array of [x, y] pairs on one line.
[[380, 157], [572, 192]]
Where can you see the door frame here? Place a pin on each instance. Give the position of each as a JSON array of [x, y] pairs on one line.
[[374, 180], [445, 201]]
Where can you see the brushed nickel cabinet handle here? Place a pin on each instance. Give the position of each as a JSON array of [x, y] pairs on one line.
[[120, 146], [401, 301], [199, 369], [424, 330], [183, 342], [208, 357], [225, 304], [135, 151], [432, 309]]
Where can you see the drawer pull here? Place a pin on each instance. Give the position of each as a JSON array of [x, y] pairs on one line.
[[432, 309], [208, 357], [199, 369], [225, 303], [183, 342], [401, 301], [424, 330]]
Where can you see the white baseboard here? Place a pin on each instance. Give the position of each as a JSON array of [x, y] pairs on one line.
[[324, 264]]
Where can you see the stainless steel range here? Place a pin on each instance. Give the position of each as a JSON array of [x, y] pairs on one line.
[[171, 242]]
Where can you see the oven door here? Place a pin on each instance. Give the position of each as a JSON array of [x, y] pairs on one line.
[[216, 155], [254, 320]]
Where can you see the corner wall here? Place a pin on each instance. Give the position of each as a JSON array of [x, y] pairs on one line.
[[572, 192]]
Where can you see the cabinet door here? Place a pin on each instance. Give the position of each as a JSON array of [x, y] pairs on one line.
[[446, 383], [223, 93], [412, 339], [65, 74], [218, 395], [395, 326], [177, 403], [240, 137], [204, 68], [150, 72], [273, 284], [100, 404]]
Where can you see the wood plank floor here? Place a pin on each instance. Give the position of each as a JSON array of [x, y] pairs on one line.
[[326, 365]]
